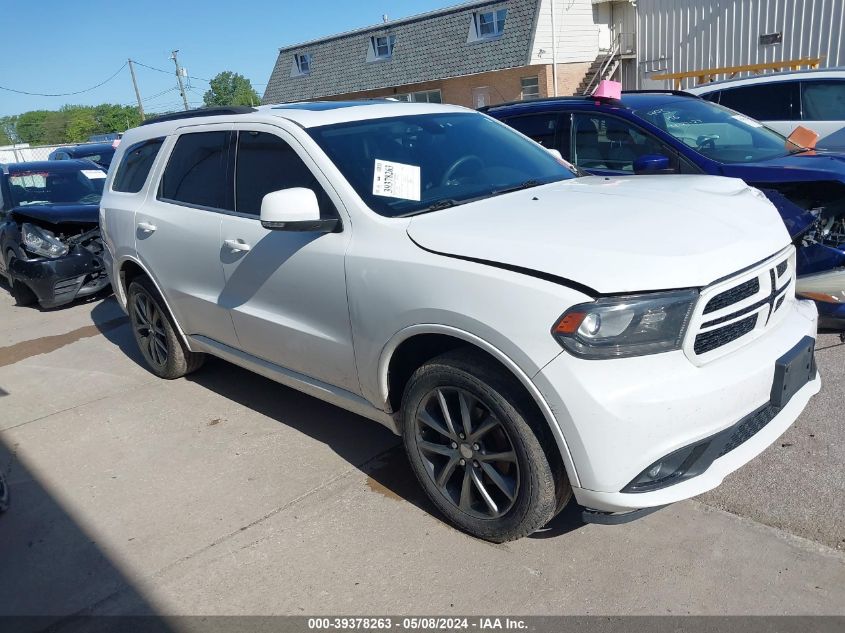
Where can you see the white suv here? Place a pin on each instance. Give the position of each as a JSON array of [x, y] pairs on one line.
[[530, 334]]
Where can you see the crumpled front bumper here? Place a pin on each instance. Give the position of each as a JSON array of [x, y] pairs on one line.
[[56, 282]]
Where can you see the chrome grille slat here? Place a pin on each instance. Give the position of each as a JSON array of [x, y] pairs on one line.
[[736, 310]]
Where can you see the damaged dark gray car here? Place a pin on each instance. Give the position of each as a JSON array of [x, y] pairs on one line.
[[50, 244]]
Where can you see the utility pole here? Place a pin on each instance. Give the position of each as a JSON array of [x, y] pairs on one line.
[[137, 92], [179, 79]]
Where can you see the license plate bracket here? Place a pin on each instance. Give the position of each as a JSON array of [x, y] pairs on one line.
[[793, 370]]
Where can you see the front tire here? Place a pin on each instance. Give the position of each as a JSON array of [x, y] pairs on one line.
[[155, 333], [479, 449]]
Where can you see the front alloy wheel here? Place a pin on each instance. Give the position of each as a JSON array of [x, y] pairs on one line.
[[480, 448], [467, 453]]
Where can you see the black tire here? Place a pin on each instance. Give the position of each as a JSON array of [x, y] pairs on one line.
[[529, 486], [160, 345], [21, 293], [4, 494]]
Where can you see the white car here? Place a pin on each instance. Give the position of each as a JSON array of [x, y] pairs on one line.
[[783, 101], [530, 334]]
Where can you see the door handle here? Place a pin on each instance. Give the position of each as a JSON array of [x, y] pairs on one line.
[[146, 227], [237, 245]]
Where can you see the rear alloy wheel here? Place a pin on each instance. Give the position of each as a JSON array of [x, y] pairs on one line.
[[479, 449], [156, 335]]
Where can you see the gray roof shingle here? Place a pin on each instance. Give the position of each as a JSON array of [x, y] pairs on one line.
[[428, 47]]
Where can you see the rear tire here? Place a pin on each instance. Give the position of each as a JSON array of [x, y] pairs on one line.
[[479, 448], [156, 335]]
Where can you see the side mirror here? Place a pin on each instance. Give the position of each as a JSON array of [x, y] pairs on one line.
[[555, 153], [294, 209], [652, 164]]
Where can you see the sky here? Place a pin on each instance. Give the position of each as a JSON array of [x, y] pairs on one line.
[[56, 46]]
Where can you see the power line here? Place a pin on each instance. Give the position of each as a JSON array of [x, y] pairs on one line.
[[64, 94], [168, 72]]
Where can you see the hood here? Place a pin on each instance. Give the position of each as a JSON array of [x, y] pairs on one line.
[[614, 234], [60, 213], [810, 165]]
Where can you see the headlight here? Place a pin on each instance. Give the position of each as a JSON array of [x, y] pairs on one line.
[[42, 242], [632, 325]]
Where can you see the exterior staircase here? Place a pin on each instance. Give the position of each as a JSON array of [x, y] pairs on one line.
[[603, 67]]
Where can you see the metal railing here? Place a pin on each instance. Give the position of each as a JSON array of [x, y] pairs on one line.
[[612, 56]]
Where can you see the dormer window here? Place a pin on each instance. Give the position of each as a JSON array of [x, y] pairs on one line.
[[383, 46], [490, 24], [380, 48], [301, 65]]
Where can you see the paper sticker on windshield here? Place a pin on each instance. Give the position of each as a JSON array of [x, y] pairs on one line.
[[744, 119], [93, 174], [396, 180]]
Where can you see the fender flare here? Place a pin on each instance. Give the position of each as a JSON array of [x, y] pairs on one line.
[[124, 295], [432, 328]]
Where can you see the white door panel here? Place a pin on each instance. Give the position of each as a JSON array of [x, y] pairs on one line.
[[184, 253], [286, 290], [287, 294]]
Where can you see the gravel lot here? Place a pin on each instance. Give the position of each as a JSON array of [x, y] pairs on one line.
[[225, 493]]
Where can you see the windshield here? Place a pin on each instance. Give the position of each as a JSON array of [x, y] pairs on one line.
[[717, 132], [413, 164], [83, 186], [103, 159]]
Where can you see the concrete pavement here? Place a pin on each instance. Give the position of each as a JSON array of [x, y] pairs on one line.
[[225, 493]]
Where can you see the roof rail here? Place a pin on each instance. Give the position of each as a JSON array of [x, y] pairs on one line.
[[200, 112], [677, 93], [551, 99]]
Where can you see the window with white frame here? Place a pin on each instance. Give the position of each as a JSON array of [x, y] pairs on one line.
[[382, 46], [421, 96], [301, 64], [530, 87], [490, 23]]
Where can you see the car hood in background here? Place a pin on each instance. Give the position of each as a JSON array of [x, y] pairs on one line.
[[811, 165], [614, 234], [60, 213]]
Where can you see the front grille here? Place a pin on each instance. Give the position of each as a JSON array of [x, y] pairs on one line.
[[708, 341], [734, 295], [749, 428], [740, 307]]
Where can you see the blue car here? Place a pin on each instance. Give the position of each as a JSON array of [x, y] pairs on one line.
[[671, 132]]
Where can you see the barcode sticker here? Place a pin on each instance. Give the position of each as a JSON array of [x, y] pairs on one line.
[[93, 174], [396, 180]]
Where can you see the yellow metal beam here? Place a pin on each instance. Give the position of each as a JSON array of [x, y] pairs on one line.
[[710, 74]]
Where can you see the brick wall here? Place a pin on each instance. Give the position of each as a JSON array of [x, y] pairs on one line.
[[499, 85]]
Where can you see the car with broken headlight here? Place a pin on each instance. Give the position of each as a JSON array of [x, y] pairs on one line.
[[530, 334], [670, 132], [50, 244]]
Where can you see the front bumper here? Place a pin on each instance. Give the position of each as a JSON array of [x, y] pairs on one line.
[[59, 281], [620, 416]]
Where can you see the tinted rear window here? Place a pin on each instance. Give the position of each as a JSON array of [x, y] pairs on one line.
[[198, 172], [764, 102], [135, 166], [824, 100]]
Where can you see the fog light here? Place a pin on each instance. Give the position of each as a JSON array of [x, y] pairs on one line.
[[682, 464]]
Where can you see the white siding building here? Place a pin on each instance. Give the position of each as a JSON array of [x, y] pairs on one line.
[[686, 35]]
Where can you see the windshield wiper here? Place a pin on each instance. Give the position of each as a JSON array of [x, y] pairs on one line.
[[523, 185], [435, 206]]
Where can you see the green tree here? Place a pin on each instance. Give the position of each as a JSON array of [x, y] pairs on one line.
[[229, 89], [30, 126], [8, 133]]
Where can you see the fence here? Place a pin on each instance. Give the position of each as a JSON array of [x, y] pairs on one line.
[[24, 153]]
